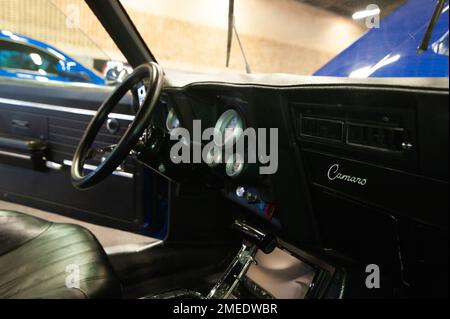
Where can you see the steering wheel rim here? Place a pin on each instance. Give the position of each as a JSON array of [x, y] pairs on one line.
[[141, 121]]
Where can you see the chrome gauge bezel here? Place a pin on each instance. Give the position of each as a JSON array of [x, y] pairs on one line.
[[171, 116], [214, 157], [222, 124], [230, 168]]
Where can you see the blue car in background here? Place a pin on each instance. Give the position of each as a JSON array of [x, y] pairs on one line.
[[25, 58], [392, 49]]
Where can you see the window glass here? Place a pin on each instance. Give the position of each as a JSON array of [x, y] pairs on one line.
[[55, 40], [349, 38], [15, 56]]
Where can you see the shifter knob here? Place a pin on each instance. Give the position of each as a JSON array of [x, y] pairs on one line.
[[266, 242]]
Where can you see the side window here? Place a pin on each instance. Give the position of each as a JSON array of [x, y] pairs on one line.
[[20, 57], [56, 40]]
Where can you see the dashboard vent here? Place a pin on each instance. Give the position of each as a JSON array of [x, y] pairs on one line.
[[331, 130], [377, 137]]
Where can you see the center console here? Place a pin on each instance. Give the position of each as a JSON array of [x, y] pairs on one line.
[[267, 268]]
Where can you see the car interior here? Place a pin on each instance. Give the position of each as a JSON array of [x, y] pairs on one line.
[[360, 185]]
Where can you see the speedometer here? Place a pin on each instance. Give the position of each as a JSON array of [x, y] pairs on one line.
[[228, 128]]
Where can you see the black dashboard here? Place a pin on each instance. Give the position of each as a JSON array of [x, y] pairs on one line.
[[359, 168]]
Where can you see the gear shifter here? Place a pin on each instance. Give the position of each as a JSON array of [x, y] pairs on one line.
[[254, 239], [264, 241]]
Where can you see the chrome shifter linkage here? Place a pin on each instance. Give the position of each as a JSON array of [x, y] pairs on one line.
[[235, 273]]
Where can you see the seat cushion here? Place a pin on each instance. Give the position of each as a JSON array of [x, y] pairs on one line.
[[40, 259]]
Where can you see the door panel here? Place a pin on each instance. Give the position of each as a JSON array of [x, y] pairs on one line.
[[59, 115]]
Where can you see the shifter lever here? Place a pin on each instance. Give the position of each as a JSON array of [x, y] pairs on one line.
[[266, 242]]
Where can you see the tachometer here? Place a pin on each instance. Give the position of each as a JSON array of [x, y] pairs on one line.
[[228, 128]]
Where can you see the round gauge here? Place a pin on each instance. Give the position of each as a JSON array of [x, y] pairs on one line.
[[228, 128], [213, 157], [172, 121], [234, 166]]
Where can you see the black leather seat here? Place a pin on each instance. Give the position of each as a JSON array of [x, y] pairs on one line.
[[40, 259]]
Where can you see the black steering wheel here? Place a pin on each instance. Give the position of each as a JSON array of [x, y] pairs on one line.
[[153, 73]]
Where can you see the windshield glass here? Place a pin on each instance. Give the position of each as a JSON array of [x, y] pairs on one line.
[[321, 37]]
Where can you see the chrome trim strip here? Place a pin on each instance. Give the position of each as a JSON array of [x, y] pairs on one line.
[[16, 155], [148, 246], [93, 167], [65, 109], [132, 248], [53, 165]]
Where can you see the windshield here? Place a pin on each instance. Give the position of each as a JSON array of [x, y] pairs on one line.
[[320, 37]]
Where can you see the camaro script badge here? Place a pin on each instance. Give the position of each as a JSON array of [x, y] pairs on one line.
[[333, 173]]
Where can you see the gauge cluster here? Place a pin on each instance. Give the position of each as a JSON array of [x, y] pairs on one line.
[[225, 165], [229, 121], [228, 131], [254, 196]]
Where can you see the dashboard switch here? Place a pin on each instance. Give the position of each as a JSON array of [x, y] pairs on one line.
[[240, 192], [252, 199]]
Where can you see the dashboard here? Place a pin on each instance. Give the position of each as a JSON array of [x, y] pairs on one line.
[[358, 168]]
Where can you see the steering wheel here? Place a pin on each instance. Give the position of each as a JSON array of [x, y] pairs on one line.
[[151, 71]]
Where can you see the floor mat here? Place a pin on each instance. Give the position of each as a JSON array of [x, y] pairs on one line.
[[111, 239]]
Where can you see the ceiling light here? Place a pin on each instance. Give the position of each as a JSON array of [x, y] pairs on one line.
[[366, 13]]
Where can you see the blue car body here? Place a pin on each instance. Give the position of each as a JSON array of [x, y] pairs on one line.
[[391, 50], [69, 70]]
